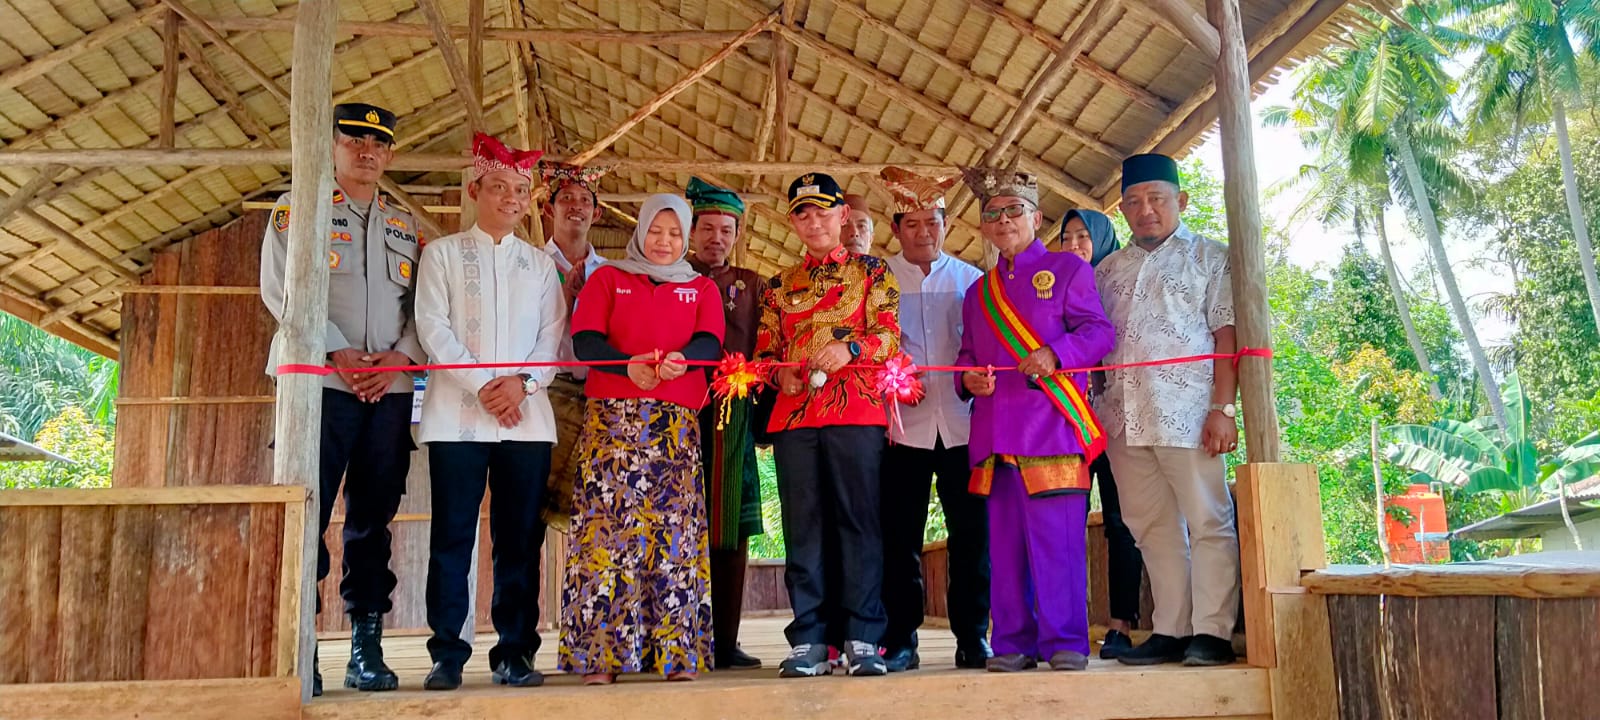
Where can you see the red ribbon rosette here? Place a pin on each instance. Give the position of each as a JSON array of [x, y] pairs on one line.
[[736, 379], [897, 382]]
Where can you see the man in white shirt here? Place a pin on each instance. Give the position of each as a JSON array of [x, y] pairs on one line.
[[931, 438], [485, 296], [1168, 295]]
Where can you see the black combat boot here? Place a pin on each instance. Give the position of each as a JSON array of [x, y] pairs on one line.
[[366, 670]]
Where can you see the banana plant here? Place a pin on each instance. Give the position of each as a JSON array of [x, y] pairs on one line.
[[1476, 458]]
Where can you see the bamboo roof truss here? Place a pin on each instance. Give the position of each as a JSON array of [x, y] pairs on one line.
[[130, 125]]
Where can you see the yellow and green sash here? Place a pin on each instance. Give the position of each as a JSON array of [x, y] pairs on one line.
[[1020, 339]]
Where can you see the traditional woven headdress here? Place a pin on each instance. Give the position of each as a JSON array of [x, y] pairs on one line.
[[560, 175], [988, 183], [913, 192]]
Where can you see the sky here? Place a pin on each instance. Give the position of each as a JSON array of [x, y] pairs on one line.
[[1279, 156]]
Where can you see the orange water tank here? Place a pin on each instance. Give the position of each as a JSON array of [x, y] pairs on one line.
[[1422, 538]]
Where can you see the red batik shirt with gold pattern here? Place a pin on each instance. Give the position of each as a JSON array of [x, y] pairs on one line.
[[844, 297]]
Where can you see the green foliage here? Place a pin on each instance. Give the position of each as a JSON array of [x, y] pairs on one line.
[[41, 375], [71, 434]]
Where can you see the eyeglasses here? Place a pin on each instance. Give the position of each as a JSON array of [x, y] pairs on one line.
[[1010, 211]]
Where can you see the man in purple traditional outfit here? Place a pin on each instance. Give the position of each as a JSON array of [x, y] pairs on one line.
[[1033, 434]]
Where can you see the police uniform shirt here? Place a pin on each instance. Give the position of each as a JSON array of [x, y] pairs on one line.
[[372, 260]]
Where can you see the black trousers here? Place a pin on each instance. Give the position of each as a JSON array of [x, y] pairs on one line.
[[516, 473], [907, 479], [828, 486], [368, 446], [1124, 564]]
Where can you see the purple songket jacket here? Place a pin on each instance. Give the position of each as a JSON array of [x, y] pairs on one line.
[[1019, 419]]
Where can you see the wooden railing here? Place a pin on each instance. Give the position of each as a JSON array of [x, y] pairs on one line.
[[149, 599], [1513, 638]]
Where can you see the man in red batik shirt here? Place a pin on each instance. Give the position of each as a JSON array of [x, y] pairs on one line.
[[835, 308]]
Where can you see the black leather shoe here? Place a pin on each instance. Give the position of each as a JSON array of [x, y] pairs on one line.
[[516, 672], [366, 670], [737, 659], [1207, 650], [973, 656], [902, 659], [316, 675], [1157, 650], [443, 676], [1115, 644]]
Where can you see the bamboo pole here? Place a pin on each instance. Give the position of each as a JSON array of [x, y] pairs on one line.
[[682, 84], [492, 34], [1108, 77], [452, 63], [206, 73], [474, 47], [250, 68], [251, 290], [1253, 319], [26, 193], [305, 315], [93, 41], [170, 28], [1190, 25]]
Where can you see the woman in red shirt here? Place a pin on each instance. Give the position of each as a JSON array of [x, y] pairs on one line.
[[636, 596]]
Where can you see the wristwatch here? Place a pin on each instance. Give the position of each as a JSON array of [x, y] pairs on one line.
[[855, 349], [1226, 409], [529, 385]]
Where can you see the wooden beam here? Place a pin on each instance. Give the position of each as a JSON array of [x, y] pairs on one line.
[[250, 68], [26, 193], [475, 48], [417, 209], [683, 83], [491, 34], [305, 315], [1049, 176], [526, 133], [1286, 31], [452, 62], [171, 26], [93, 41], [1247, 256], [1090, 23], [770, 115], [206, 74], [30, 309], [1189, 24], [59, 237], [966, 74], [783, 69], [1110, 78]]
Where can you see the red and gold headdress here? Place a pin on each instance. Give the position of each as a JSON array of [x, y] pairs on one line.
[[913, 192], [490, 155]]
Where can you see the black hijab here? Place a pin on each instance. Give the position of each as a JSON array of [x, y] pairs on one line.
[[1101, 233]]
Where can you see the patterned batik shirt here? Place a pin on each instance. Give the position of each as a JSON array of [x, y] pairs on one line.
[[1163, 303], [845, 297]]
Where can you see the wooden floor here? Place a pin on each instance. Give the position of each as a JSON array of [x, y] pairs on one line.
[[1107, 691]]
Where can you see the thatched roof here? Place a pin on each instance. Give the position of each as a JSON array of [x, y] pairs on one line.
[[929, 82]]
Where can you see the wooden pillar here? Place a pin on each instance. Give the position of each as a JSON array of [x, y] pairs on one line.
[[1253, 319], [305, 314]]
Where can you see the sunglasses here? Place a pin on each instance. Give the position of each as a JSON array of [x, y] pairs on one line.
[[1010, 211]]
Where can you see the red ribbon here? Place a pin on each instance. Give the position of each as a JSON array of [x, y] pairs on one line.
[[324, 370]]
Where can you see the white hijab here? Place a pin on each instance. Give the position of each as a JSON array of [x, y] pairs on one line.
[[635, 262]]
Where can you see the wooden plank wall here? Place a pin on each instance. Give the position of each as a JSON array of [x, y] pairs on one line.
[[1466, 657], [197, 346], [139, 592]]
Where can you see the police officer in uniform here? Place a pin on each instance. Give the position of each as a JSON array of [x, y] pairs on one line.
[[366, 417]]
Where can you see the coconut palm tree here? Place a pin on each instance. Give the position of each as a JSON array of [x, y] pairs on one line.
[[1334, 195], [1383, 102], [1526, 73]]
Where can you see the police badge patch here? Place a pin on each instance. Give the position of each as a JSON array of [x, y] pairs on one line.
[[280, 218]]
